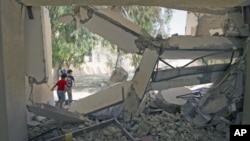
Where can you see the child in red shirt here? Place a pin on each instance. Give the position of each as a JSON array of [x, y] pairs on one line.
[[61, 88]]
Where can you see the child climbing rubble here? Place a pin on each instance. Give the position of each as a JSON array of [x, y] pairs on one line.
[[61, 89]]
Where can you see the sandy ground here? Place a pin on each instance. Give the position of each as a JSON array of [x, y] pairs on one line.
[[89, 84], [86, 85]]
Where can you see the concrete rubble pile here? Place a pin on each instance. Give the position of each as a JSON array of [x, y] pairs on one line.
[[207, 119]]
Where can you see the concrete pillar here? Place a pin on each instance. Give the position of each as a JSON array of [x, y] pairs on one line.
[[12, 83], [38, 55], [246, 113]]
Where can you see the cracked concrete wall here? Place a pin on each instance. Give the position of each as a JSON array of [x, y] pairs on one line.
[[38, 56]]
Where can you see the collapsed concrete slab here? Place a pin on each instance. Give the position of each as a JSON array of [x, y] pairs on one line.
[[163, 75], [140, 81], [189, 47], [120, 92], [101, 21], [144, 72], [121, 31], [190, 5], [102, 99], [54, 113], [222, 100], [187, 76], [186, 81], [118, 75], [131, 38], [167, 99]]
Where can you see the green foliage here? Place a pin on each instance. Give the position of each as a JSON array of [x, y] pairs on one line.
[[70, 42], [153, 19]]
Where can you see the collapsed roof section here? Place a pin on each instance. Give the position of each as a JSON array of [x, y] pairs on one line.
[[112, 26], [190, 47], [131, 38]]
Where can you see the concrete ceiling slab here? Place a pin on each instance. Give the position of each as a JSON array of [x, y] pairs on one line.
[[190, 47], [113, 27], [165, 3]]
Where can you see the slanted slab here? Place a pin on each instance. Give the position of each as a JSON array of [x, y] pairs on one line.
[[187, 80], [113, 27], [102, 99], [54, 113], [144, 72]]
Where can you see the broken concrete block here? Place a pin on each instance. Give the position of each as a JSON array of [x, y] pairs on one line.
[[214, 104], [144, 128], [118, 75], [197, 134], [107, 113], [131, 102], [107, 97], [234, 25], [33, 123], [200, 118], [40, 118], [194, 115], [54, 113], [222, 127], [147, 138]]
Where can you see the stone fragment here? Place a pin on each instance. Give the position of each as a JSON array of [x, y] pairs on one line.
[[134, 128], [214, 104], [147, 138], [33, 123], [118, 75], [144, 128]]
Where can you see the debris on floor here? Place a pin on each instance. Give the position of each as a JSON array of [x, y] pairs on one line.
[[207, 118]]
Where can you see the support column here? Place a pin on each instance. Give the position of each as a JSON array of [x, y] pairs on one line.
[[246, 106], [12, 83]]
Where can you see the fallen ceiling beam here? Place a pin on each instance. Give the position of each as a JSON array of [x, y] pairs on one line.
[[113, 27], [109, 24], [166, 3], [54, 113], [168, 74], [190, 47], [131, 38], [143, 73], [186, 81], [102, 99]]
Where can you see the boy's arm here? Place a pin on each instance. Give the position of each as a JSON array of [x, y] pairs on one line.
[[53, 87], [74, 82], [66, 88]]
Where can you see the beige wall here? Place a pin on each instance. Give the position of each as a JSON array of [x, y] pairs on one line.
[[204, 24], [13, 125], [38, 56]]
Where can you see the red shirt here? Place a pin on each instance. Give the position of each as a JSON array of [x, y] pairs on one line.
[[61, 85]]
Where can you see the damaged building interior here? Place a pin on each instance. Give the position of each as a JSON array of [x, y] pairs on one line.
[[154, 105]]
